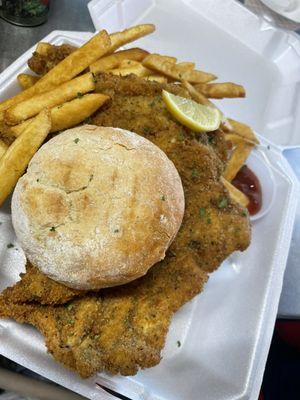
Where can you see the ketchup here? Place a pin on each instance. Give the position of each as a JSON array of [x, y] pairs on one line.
[[247, 182]]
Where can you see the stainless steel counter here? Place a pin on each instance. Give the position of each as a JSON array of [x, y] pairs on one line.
[[64, 15]]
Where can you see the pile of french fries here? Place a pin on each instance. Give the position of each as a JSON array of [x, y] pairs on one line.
[[64, 97]]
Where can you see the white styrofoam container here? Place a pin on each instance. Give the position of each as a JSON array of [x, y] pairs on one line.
[[226, 331], [225, 38]]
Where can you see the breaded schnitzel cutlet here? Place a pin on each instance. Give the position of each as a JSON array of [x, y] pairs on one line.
[[123, 329]]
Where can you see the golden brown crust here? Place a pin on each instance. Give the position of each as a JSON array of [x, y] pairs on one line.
[[92, 192], [126, 326]]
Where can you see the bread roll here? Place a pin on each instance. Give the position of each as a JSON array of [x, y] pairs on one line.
[[97, 207]]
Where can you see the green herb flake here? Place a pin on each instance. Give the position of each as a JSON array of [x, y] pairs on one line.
[[181, 135], [88, 120], [163, 197], [94, 78], [79, 95], [245, 213], [208, 221], [38, 180], [223, 203], [70, 307], [195, 173], [146, 130], [52, 229], [211, 140], [10, 246], [116, 231], [178, 343], [202, 212], [76, 140]]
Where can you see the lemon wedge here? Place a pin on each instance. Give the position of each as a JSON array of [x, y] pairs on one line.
[[198, 117]]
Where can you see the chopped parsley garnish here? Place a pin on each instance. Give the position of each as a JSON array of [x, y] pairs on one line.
[[223, 203], [70, 307], [91, 177], [76, 140], [10, 246], [178, 343], [245, 213], [195, 173], [38, 180], [202, 212], [79, 95], [146, 130], [52, 229], [208, 220], [181, 135], [211, 140], [163, 197], [116, 231], [88, 120], [94, 78]]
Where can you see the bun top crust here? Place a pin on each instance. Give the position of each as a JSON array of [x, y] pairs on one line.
[[97, 207]]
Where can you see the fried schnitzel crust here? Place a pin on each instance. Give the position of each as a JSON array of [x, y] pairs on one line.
[[122, 329]]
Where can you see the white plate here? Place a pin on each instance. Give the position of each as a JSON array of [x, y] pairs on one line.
[[225, 332], [287, 8]]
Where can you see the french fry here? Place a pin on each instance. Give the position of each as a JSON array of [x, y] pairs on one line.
[[201, 99], [119, 39], [221, 90], [113, 60], [235, 193], [69, 114], [61, 94], [26, 80], [171, 59], [186, 66], [3, 147], [237, 160], [195, 95], [67, 69], [138, 70], [15, 160], [226, 126], [234, 138], [159, 64], [128, 63], [42, 48], [156, 78], [243, 130]]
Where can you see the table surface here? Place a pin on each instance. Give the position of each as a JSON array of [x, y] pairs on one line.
[[72, 15]]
